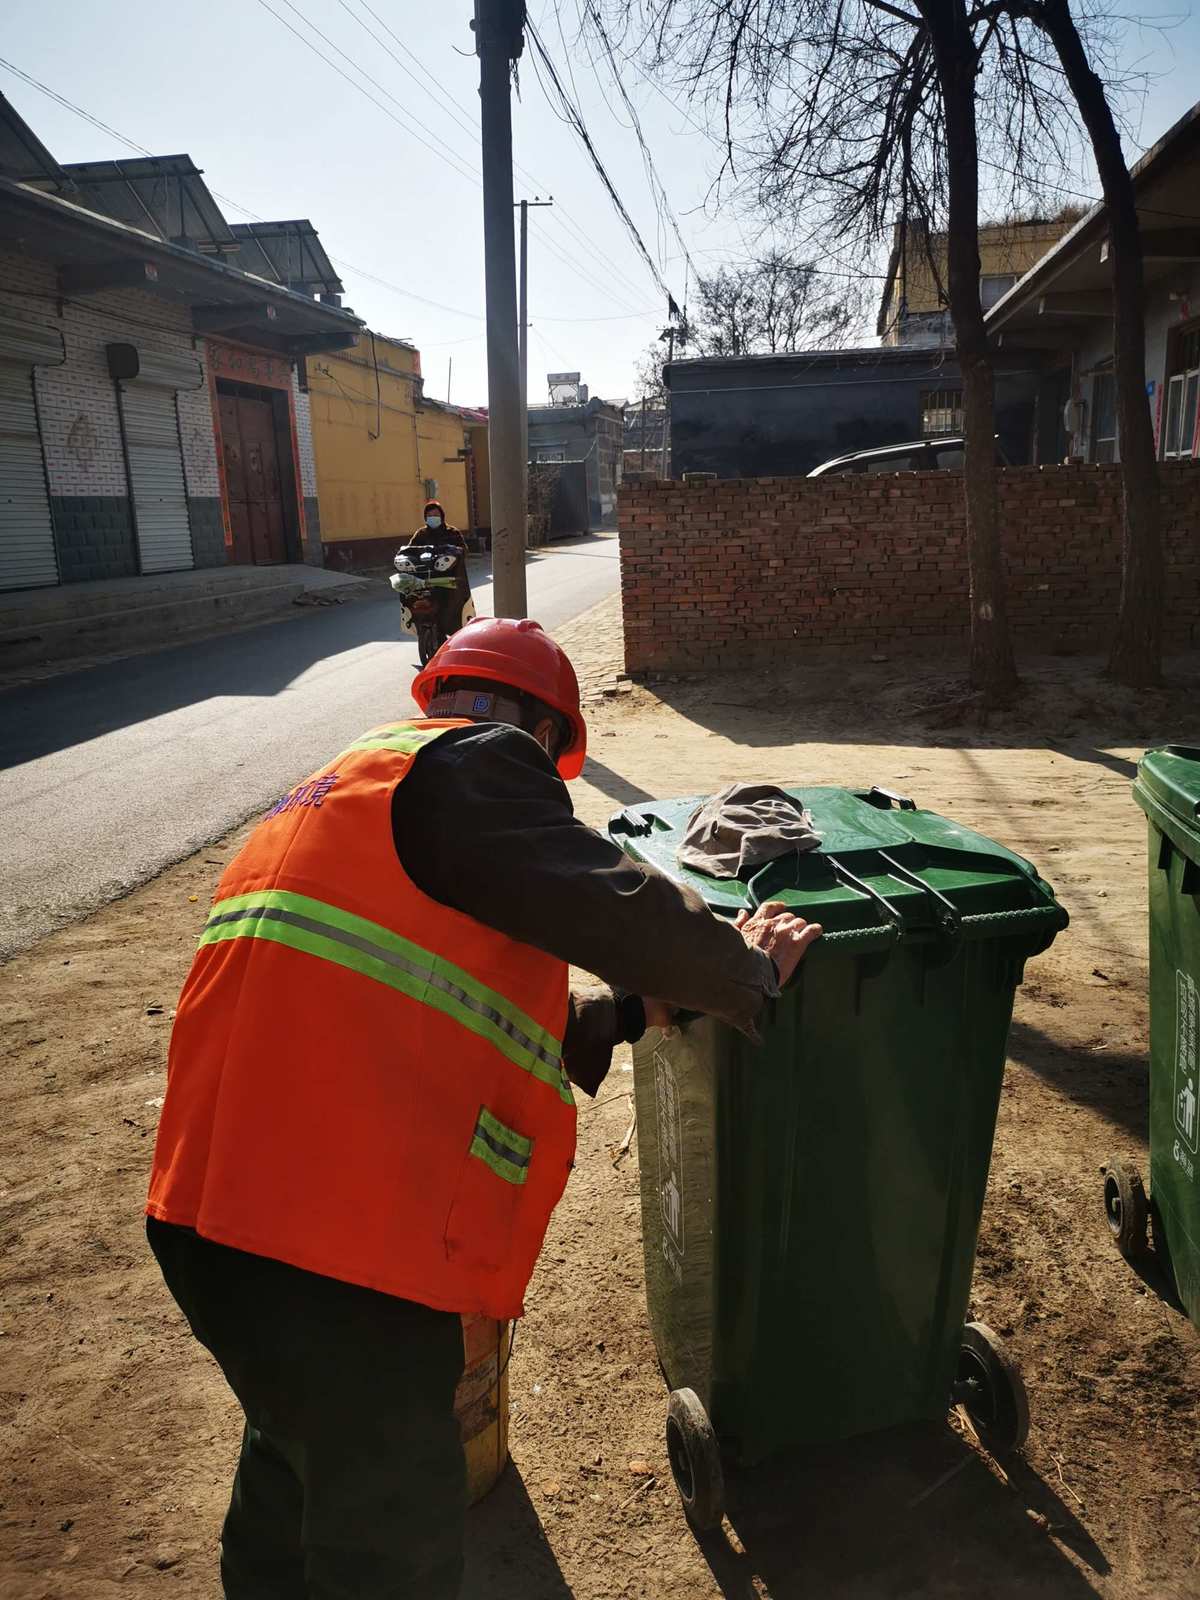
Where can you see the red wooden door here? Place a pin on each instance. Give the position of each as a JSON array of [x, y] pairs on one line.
[[235, 483], [253, 480]]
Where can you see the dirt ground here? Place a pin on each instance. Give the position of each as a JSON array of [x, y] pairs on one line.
[[118, 1439]]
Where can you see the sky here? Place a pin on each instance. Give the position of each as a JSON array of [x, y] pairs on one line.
[[378, 145]]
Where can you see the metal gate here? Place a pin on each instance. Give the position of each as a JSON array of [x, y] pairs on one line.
[[27, 554], [156, 478]]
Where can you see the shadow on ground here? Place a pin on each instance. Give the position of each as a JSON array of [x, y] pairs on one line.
[[39, 718], [913, 1512], [1115, 1083], [67, 710], [508, 1556], [1065, 704]]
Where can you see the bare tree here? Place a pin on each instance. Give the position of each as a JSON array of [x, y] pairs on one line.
[[954, 50], [1136, 654], [852, 113], [649, 373], [771, 305]]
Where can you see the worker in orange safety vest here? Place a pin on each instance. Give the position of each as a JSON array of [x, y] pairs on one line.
[[370, 1108]]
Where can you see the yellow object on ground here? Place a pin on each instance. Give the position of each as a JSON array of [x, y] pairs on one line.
[[481, 1404]]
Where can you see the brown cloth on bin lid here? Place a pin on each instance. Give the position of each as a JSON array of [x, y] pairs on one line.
[[743, 826]]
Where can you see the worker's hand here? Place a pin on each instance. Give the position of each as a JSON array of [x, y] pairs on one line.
[[785, 937]]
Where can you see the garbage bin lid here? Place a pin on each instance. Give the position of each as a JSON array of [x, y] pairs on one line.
[[881, 864], [1171, 778]]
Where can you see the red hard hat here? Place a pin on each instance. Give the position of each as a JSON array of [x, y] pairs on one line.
[[521, 655]]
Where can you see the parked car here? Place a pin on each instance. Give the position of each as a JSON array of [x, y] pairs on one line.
[[921, 455]]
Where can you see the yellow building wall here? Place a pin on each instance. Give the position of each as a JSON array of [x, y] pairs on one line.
[[441, 435], [1002, 248], [483, 476], [375, 447]]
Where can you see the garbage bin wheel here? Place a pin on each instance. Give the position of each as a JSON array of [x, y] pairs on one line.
[[695, 1460], [988, 1383], [1125, 1208]]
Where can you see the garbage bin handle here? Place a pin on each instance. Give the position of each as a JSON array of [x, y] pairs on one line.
[[631, 822], [946, 917], [875, 794], [1002, 923], [858, 941]]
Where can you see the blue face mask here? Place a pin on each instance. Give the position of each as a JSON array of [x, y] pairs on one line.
[[433, 522]]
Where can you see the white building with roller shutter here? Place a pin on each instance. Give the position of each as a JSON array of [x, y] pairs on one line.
[[153, 390]]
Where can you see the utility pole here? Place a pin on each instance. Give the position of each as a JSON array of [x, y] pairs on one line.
[[669, 336], [523, 338], [499, 41]]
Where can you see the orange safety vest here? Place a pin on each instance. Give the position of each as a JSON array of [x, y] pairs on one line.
[[361, 1081]]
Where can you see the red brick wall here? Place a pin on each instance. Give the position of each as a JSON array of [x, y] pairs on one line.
[[718, 574]]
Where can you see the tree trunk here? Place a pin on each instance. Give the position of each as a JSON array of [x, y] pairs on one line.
[[992, 668], [1136, 655]]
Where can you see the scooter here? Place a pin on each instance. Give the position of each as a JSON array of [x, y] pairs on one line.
[[435, 593]]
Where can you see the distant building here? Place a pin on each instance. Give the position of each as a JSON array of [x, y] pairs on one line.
[[913, 308], [154, 414], [590, 432], [783, 415], [1058, 317]]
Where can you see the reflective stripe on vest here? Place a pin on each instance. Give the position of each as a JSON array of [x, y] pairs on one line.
[[326, 931], [403, 738], [505, 1152]]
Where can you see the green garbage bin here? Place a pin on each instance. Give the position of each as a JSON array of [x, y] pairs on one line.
[[810, 1206], [1168, 791]]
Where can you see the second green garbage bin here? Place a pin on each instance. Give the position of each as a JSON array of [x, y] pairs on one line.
[[1168, 791], [810, 1206]]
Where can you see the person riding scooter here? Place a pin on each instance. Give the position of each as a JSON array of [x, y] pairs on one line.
[[433, 582], [435, 529]]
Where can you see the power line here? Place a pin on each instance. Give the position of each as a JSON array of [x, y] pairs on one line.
[[574, 118], [583, 272], [633, 315], [78, 110], [452, 153], [469, 123], [445, 154], [657, 188], [425, 84], [226, 199]]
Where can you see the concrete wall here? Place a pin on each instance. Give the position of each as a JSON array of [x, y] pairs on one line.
[[723, 574], [375, 449], [592, 433], [81, 435], [784, 415]]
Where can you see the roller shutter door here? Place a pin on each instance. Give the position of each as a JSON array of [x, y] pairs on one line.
[[27, 554], [156, 478]]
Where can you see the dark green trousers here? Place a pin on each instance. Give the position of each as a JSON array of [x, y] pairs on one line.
[[352, 1482]]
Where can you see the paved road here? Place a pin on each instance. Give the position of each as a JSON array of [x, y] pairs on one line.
[[109, 775]]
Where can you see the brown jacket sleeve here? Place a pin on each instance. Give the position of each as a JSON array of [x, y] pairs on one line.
[[483, 823]]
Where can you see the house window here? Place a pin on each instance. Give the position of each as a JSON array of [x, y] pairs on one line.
[[941, 412], [1183, 399], [1104, 417], [994, 286]]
